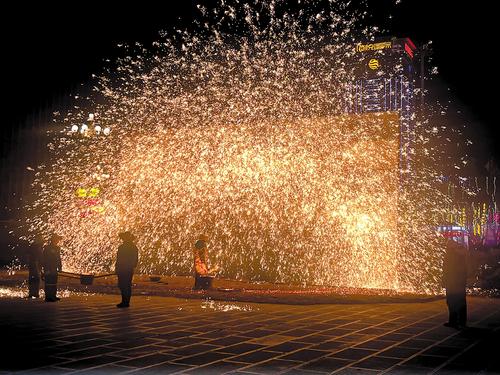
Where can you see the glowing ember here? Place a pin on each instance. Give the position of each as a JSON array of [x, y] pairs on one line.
[[233, 130]]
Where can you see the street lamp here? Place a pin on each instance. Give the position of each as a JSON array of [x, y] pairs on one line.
[[84, 128]]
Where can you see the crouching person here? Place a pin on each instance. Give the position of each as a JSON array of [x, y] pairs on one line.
[[203, 275]]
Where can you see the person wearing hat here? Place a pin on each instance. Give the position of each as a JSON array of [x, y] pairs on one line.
[[126, 261], [202, 273], [51, 267]]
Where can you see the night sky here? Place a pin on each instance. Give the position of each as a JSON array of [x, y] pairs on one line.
[[48, 49]]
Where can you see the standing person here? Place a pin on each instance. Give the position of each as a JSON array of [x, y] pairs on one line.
[[454, 280], [51, 267], [126, 260], [35, 258]]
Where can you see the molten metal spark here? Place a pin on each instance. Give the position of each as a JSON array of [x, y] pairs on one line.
[[234, 131]]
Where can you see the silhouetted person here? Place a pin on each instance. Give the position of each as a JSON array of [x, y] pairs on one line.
[[454, 280], [35, 259], [126, 260], [202, 273], [51, 267]]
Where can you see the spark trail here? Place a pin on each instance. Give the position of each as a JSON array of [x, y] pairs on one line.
[[236, 130]]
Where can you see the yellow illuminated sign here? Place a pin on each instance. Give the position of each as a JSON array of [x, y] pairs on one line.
[[93, 192], [81, 193], [373, 64], [87, 193], [373, 46]]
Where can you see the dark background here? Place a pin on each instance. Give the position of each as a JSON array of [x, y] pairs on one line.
[[49, 49]]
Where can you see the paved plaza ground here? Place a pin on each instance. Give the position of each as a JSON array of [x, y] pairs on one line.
[[225, 290], [85, 333]]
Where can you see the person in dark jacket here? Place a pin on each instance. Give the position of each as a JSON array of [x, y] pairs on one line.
[[51, 267], [126, 261], [35, 258], [454, 280]]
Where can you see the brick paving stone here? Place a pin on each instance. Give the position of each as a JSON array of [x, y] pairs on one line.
[[226, 341], [375, 344], [399, 352], [191, 349], [254, 357], [90, 352], [377, 363], [304, 355], [174, 335], [163, 368], [287, 346], [398, 337], [139, 351], [202, 359], [339, 322], [353, 353], [408, 370], [220, 367], [355, 338], [159, 335], [336, 332], [273, 366], [104, 370], [426, 361], [184, 341], [133, 343], [49, 370], [443, 351], [457, 341], [416, 343], [356, 371], [272, 340], [331, 346], [357, 326], [325, 365], [411, 330], [301, 371], [454, 370], [147, 360], [314, 339], [91, 362], [372, 331], [258, 333], [299, 332], [241, 348]]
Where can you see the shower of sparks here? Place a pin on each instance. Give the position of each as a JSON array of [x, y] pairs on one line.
[[225, 307], [235, 130]]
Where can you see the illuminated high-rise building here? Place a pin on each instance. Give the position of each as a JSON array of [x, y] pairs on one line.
[[385, 81]]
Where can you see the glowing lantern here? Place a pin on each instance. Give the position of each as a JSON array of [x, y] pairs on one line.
[[74, 128], [97, 129], [84, 128], [106, 131]]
